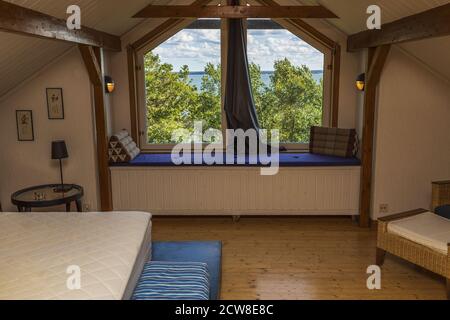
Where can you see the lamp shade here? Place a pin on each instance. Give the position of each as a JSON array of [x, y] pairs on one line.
[[109, 84], [361, 82], [59, 150]]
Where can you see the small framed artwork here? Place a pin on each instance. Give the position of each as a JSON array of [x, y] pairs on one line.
[[24, 120], [55, 103]]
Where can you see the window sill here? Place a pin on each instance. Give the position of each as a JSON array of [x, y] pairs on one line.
[[286, 160]]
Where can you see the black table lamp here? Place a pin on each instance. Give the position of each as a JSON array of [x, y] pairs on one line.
[[59, 152]]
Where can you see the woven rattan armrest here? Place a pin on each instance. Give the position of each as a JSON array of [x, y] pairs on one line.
[[384, 221], [403, 215]]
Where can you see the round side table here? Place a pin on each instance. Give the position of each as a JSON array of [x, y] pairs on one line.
[[46, 196]]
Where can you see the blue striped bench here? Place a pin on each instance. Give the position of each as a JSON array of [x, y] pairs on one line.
[[173, 281]]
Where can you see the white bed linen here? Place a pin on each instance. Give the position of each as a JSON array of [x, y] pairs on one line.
[[427, 229], [37, 248]]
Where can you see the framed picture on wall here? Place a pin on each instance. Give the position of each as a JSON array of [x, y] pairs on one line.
[[55, 103], [24, 120]]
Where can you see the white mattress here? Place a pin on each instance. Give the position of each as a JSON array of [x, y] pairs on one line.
[[37, 248], [427, 229]]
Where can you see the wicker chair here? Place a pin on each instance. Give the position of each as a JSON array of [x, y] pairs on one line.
[[411, 251]]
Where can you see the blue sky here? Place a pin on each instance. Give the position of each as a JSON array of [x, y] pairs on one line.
[[195, 48]]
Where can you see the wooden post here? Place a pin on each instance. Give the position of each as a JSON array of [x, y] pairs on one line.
[[336, 65], [377, 60], [131, 58], [93, 60], [381, 255]]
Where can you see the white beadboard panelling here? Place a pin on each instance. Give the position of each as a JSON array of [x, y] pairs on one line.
[[352, 13], [113, 16], [22, 56], [236, 191]]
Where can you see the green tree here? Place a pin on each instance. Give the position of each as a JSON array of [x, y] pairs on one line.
[[170, 99], [174, 103], [210, 98], [291, 102]]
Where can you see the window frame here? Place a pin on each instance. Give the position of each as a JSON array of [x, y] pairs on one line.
[[327, 81], [141, 98], [311, 36]]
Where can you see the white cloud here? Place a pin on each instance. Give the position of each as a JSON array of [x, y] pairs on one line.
[[267, 46], [195, 48]]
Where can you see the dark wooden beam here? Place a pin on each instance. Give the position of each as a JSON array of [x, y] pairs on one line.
[[235, 12], [215, 24], [131, 60], [92, 58], [377, 60], [336, 65], [20, 20], [429, 24]]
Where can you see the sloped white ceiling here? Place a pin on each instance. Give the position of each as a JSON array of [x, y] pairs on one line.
[[432, 52], [21, 57], [353, 15], [112, 16]]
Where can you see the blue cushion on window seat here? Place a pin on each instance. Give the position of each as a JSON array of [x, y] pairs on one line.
[[443, 211], [286, 160]]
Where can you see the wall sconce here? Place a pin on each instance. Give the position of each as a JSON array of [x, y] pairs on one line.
[[361, 82], [109, 84]]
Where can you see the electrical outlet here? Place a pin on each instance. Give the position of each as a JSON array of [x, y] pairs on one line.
[[384, 208], [86, 207]]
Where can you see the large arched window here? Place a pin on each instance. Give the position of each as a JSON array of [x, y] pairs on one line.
[[180, 81]]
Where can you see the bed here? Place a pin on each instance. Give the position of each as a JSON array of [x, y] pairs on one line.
[[39, 251], [418, 236]]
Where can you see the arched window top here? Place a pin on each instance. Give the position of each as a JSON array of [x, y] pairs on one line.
[[182, 82]]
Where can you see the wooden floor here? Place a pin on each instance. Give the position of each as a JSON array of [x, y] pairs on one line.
[[300, 258]]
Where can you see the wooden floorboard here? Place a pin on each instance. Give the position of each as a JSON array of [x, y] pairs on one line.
[[300, 258]]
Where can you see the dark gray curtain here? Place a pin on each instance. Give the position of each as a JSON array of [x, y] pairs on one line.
[[239, 104]]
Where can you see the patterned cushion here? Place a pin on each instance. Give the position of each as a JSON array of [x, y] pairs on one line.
[[173, 281], [122, 148], [334, 142]]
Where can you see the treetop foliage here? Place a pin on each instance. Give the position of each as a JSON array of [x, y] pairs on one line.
[[291, 102]]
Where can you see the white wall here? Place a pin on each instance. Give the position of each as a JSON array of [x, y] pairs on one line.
[[412, 135], [26, 164]]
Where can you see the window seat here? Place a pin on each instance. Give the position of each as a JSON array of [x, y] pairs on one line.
[[286, 160]]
